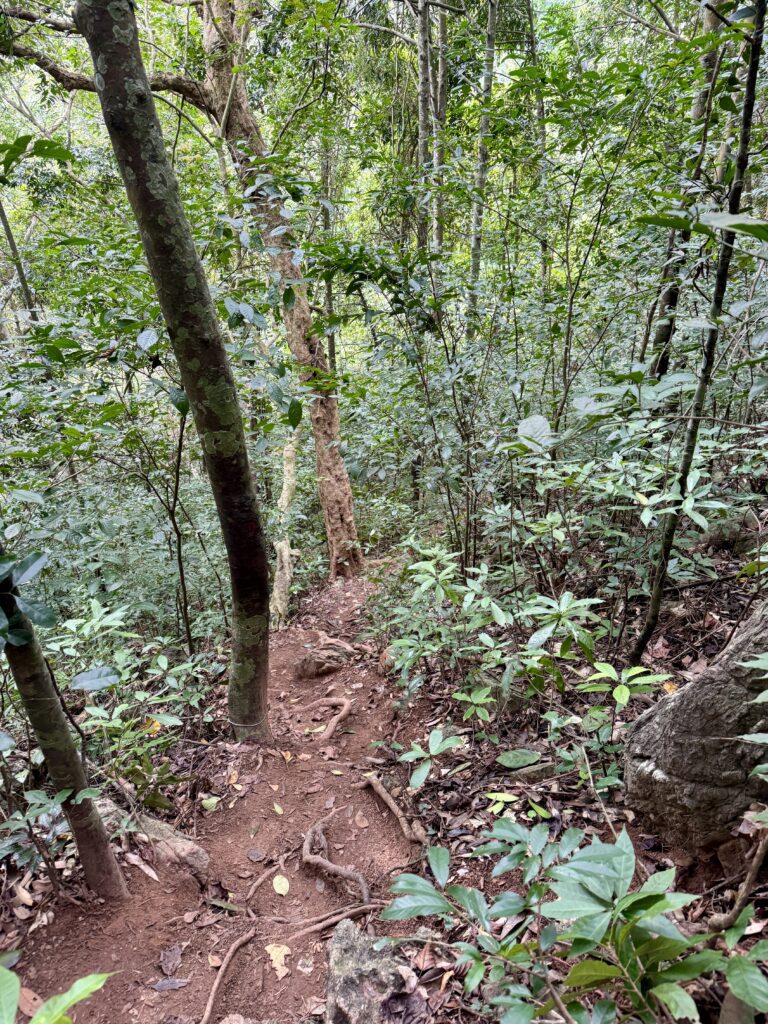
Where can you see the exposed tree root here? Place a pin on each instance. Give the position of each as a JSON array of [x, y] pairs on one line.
[[260, 881], [343, 703], [231, 954], [412, 830], [316, 837], [719, 922], [334, 918]]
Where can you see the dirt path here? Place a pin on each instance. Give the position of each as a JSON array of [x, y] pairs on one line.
[[271, 799]]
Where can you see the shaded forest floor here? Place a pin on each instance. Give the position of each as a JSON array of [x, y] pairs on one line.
[[269, 800]]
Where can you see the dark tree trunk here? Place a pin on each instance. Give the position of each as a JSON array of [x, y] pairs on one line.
[[46, 716], [134, 129]]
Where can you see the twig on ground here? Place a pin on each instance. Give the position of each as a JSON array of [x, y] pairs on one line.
[[331, 702], [413, 831], [260, 881], [316, 836], [719, 922], [334, 918], [231, 954]]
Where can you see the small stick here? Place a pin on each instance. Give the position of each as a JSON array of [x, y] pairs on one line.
[[719, 922], [231, 954], [331, 702], [413, 831], [334, 918], [315, 834], [260, 881]]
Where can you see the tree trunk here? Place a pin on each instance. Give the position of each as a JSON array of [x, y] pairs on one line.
[[481, 168], [109, 26], [46, 716], [227, 99], [425, 117], [672, 519], [440, 107], [687, 772]]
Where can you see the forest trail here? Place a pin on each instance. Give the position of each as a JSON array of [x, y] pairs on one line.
[[282, 792]]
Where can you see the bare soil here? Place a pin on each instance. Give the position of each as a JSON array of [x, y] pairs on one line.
[[272, 797]]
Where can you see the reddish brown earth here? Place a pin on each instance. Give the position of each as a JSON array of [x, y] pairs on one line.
[[271, 798]]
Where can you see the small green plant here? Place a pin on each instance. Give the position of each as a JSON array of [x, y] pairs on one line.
[[437, 744], [612, 939], [476, 701], [54, 1010], [622, 686]]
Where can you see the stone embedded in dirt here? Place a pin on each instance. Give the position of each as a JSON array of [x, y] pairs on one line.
[[236, 1018], [169, 846], [688, 774], [367, 985], [321, 662]]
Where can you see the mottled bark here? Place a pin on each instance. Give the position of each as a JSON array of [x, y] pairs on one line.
[[109, 27], [687, 772], [49, 724], [229, 101]]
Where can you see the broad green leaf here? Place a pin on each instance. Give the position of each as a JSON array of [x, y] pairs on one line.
[[472, 900], [295, 412], [423, 905], [677, 1001], [536, 432], [10, 987], [514, 759], [440, 862], [507, 905], [37, 612], [6, 566], [7, 742], [52, 1011], [589, 973], [419, 776], [747, 982], [94, 679], [29, 567]]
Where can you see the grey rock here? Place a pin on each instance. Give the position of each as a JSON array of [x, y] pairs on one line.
[[170, 847], [368, 986], [687, 773]]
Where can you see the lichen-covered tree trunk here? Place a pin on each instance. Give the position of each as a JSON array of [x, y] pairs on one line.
[[46, 716], [227, 100], [688, 774], [109, 26]]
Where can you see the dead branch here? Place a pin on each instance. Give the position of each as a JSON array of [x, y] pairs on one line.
[[334, 918], [331, 702], [231, 953], [719, 922], [413, 831], [316, 837]]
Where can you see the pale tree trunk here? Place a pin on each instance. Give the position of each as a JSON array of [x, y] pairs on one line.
[[425, 116], [541, 130], [440, 110], [281, 585], [109, 26], [672, 519], [34, 682], [481, 168], [326, 172], [227, 100]]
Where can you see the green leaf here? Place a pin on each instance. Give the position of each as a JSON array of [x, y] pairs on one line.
[[91, 793], [6, 566], [37, 612], [747, 982], [7, 742], [53, 1010], [536, 433], [736, 222], [514, 759], [509, 904], [589, 973], [94, 679], [677, 1001], [28, 568], [295, 412], [179, 400], [147, 338], [10, 987], [419, 776], [621, 694], [472, 900], [416, 906], [440, 862]]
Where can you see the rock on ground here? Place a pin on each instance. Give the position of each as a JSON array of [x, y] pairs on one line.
[[688, 775], [366, 985], [170, 847]]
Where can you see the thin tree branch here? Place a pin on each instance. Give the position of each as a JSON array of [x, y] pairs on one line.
[[386, 28]]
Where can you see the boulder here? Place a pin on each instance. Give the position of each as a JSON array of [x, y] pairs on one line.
[[369, 986], [170, 846], [687, 773]]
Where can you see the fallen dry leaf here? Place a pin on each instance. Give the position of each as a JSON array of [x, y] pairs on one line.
[[170, 960], [257, 855], [170, 984], [214, 961], [135, 859], [361, 821], [277, 955], [29, 1002], [281, 885]]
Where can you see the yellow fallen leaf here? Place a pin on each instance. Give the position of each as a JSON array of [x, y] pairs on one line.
[[214, 961], [273, 786], [281, 885], [286, 755], [278, 808], [669, 687], [277, 955]]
